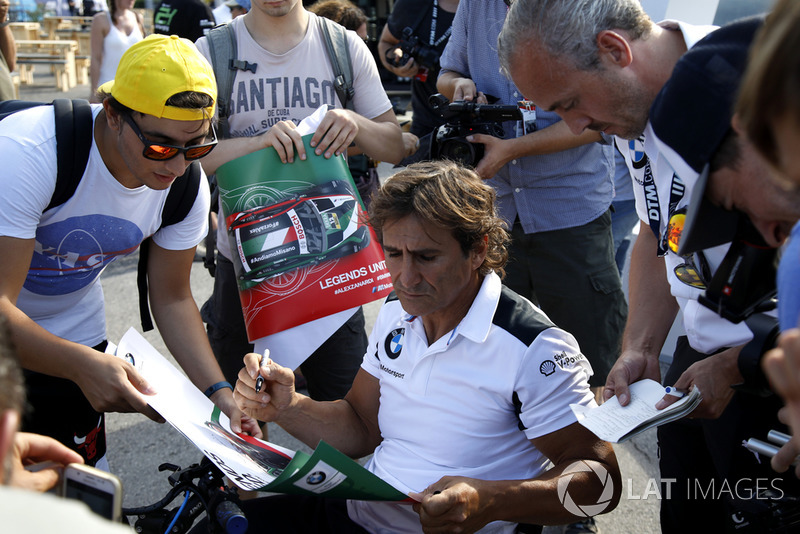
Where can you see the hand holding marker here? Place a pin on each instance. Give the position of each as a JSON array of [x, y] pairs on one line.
[[263, 365]]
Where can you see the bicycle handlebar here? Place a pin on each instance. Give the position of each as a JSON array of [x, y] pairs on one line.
[[208, 495]]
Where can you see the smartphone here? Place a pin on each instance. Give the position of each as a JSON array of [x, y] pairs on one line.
[[100, 490]]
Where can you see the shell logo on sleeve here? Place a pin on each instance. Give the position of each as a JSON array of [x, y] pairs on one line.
[[547, 368]]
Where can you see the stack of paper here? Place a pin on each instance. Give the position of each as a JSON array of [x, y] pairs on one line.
[[615, 423]]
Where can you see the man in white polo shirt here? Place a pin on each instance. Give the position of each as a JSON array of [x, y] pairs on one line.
[[463, 395]]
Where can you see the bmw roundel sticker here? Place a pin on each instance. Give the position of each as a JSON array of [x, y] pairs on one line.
[[393, 344], [317, 477]]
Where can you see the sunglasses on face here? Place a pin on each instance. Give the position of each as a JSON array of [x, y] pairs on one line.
[[162, 151]]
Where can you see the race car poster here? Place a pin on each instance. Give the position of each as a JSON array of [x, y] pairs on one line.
[[299, 239]]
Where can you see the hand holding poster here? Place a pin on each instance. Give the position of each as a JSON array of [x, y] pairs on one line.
[[250, 463], [300, 244]]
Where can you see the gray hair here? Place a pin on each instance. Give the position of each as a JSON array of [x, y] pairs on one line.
[[568, 28]]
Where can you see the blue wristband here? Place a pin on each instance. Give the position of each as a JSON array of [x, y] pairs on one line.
[[216, 387]]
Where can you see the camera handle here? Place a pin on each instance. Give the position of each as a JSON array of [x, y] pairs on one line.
[[395, 60]]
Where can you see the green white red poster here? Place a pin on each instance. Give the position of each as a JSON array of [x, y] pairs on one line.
[[250, 463], [299, 241]]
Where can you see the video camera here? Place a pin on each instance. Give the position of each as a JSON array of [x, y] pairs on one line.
[[744, 283], [466, 118], [425, 55]]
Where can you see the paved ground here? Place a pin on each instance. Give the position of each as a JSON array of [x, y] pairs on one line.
[[138, 446]]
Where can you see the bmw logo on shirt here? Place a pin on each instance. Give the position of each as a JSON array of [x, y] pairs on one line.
[[638, 156], [393, 344]]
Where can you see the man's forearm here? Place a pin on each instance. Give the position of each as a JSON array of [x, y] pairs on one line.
[[349, 424], [386, 42], [182, 328], [381, 138], [533, 500], [537, 501], [332, 421], [651, 306], [446, 83], [177, 317], [39, 350], [230, 149], [554, 138]]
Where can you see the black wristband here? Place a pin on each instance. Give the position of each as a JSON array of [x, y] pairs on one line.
[[216, 387]]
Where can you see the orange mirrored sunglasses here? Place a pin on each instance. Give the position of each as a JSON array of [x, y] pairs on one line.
[[162, 151]]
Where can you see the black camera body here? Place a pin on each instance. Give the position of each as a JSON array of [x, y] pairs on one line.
[[463, 119], [744, 283], [425, 55]]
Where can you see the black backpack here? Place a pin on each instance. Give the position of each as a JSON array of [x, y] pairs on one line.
[[74, 125]]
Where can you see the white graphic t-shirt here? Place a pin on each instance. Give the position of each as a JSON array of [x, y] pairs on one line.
[[291, 86], [102, 222]]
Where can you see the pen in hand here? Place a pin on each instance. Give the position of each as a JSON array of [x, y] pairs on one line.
[[672, 391], [263, 363]]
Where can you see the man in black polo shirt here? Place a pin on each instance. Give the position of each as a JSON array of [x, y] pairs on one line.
[[190, 19]]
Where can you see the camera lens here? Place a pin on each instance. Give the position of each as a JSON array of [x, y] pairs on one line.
[[460, 151]]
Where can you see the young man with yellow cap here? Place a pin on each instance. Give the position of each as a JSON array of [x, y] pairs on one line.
[[154, 120]]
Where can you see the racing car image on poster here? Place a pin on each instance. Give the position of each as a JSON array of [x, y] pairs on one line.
[[326, 222], [268, 458]]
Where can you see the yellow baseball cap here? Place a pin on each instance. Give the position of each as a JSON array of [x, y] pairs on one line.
[[158, 67]]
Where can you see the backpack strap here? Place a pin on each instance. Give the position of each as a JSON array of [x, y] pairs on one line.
[[9, 107], [224, 61], [74, 134], [74, 123], [181, 196], [180, 199], [339, 54]]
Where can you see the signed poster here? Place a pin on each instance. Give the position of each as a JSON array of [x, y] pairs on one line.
[[250, 463]]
